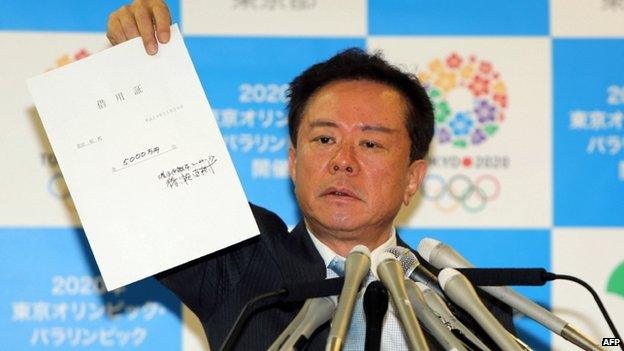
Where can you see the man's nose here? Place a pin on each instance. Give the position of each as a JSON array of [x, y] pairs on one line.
[[344, 160]]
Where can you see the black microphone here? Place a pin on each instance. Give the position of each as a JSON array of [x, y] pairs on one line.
[[375, 308]]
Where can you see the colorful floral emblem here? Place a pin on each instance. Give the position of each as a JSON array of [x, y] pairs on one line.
[[458, 124]]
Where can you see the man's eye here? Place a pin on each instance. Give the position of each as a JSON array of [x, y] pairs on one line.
[[323, 139], [370, 144]]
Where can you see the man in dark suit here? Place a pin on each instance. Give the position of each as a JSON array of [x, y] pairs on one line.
[[360, 129], [217, 286]]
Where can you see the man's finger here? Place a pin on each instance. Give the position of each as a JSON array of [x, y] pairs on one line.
[[162, 18], [128, 24], [115, 33], [146, 28]]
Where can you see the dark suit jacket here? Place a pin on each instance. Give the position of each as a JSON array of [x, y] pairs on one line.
[[217, 286]]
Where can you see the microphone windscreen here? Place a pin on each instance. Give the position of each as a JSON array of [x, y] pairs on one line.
[[406, 258]]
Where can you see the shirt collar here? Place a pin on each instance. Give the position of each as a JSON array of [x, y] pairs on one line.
[[328, 254]]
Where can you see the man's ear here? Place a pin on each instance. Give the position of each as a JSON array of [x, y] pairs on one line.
[[416, 174], [292, 163]]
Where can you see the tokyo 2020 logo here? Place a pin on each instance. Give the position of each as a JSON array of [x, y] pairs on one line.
[[469, 98]]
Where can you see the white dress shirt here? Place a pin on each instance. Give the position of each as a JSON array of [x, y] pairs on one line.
[[392, 337]]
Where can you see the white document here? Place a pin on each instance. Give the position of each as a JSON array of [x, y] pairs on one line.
[[143, 158]]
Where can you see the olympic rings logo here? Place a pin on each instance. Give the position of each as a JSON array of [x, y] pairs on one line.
[[460, 191]]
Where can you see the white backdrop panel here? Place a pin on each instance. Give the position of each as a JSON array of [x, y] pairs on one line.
[[276, 18], [587, 18], [514, 162]]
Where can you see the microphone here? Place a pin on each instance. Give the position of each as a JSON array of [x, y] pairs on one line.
[[318, 311], [441, 256], [391, 275], [439, 307], [414, 270], [459, 289], [357, 266], [431, 322], [417, 272], [375, 307]]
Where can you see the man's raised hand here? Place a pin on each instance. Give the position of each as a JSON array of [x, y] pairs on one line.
[[149, 19]]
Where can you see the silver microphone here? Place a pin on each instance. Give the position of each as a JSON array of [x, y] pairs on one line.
[[391, 275], [430, 321], [279, 341], [414, 270], [458, 288], [418, 273], [357, 266], [438, 306], [319, 311]]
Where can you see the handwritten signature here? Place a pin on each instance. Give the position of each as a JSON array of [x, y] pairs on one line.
[[188, 172]]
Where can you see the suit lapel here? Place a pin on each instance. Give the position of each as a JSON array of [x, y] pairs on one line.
[[297, 257]]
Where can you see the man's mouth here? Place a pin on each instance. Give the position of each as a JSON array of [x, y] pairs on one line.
[[340, 192]]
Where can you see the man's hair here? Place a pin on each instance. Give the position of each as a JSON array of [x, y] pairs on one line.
[[355, 64]]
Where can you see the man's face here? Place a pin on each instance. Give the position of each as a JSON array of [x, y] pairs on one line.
[[351, 167]]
